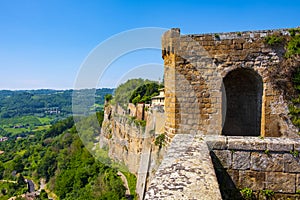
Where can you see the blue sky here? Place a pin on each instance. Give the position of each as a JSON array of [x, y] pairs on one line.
[[44, 43]]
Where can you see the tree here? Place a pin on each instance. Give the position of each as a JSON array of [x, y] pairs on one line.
[[43, 195], [21, 180], [144, 93], [17, 164], [124, 91], [136, 99], [108, 97], [1, 170]]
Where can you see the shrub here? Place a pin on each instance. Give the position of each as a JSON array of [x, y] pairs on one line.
[[247, 193], [268, 193], [160, 140], [108, 97], [294, 110], [267, 151], [293, 46], [295, 153], [273, 40], [217, 36], [140, 122]]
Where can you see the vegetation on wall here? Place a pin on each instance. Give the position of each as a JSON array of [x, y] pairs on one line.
[[274, 39], [294, 107], [293, 46], [160, 140], [286, 75], [292, 53]]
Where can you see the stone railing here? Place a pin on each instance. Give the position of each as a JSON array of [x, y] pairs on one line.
[[259, 164]]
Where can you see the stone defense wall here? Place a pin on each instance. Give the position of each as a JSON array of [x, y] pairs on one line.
[[195, 66], [258, 164]]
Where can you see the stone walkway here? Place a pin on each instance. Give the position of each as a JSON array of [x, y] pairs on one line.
[[186, 172]]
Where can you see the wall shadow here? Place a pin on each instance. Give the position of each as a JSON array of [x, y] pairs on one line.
[[228, 189]]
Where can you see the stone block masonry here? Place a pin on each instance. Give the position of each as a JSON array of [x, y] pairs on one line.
[[256, 163], [221, 84], [218, 167]]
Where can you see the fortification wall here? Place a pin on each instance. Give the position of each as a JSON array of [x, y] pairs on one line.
[[256, 163], [195, 67]]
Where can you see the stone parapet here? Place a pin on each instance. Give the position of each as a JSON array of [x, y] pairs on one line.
[[256, 163]]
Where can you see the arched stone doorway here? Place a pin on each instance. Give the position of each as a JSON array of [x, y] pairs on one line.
[[244, 91]]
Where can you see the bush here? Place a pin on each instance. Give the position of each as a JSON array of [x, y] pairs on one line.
[[141, 123], [294, 110], [217, 36], [108, 97], [268, 193], [273, 40], [293, 46], [160, 140], [247, 193]]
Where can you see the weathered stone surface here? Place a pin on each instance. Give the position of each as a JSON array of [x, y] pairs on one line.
[[140, 111], [241, 160], [225, 157], [297, 145], [185, 173], [252, 179], [281, 182], [291, 163], [242, 143], [297, 182], [277, 144], [266, 162], [234, 175], [216, 141], [280, 196]]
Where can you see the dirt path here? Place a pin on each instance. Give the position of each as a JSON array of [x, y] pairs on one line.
[[123, 177], [8, 181]]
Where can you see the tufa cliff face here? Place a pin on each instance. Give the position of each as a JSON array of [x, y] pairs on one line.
[[131, 143], [122, 137]]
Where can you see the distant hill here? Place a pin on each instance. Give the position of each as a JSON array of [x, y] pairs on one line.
[[42, 102], [26, 111]]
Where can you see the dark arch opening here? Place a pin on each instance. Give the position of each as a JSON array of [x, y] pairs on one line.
[[244, 90]]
